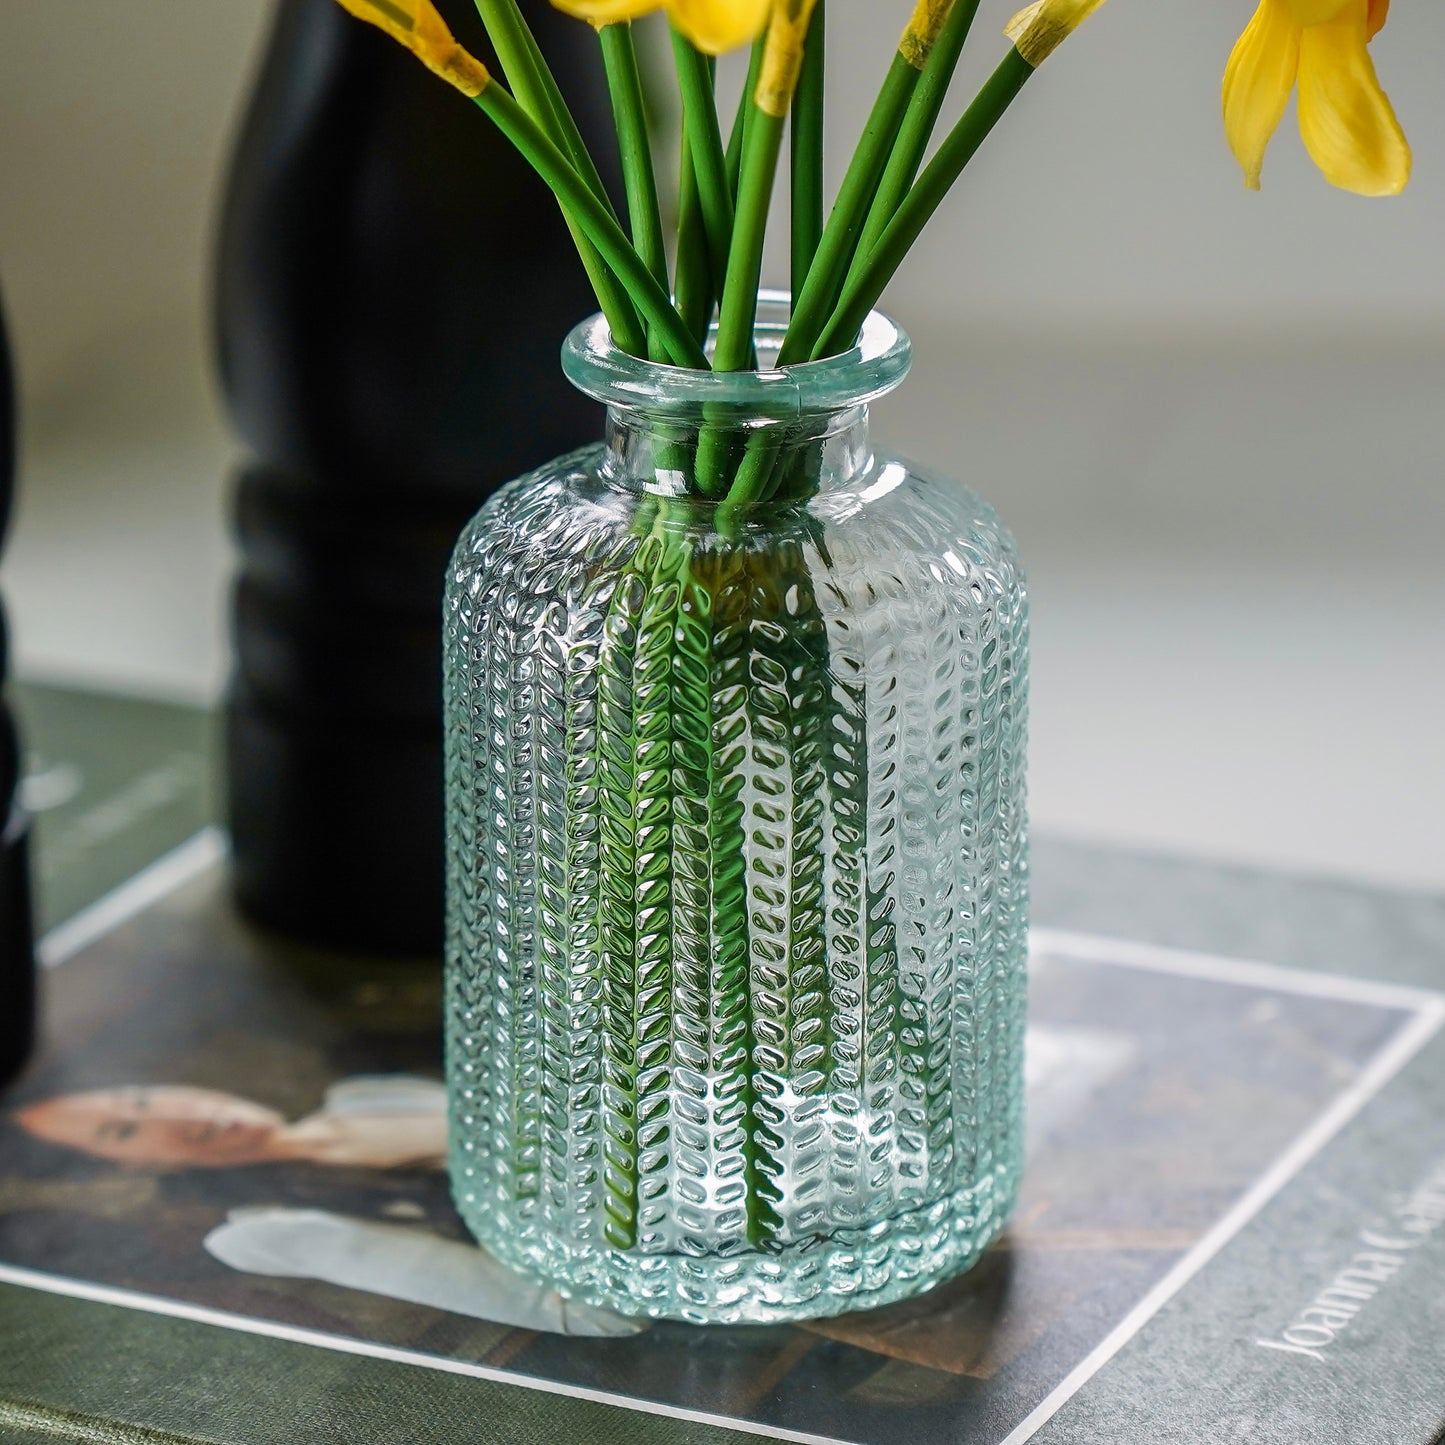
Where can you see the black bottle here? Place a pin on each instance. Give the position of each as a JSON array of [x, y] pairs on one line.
[[393, 288], [17, 943]]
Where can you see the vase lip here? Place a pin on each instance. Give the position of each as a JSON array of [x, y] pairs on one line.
[[870, 369]]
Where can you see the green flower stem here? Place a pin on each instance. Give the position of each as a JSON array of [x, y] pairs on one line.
[[736, 142], [624, 83], [708, 653], [616, 792], [962, 143], [752, 480], [814, 302], [772, 470], [811, 1023], [692, 270], [734, 157], [535, 87], [657, 877], [733, 1035], [643, 800], [596, 222], [704, 139], [738, 314], [613, 298], [807, 153], [537, 93], [655, 722], [917, 129]]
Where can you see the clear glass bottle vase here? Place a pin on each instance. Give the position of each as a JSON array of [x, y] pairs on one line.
[[737, 866]]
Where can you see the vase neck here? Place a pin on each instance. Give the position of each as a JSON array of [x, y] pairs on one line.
[[735, 455], [770, 435]]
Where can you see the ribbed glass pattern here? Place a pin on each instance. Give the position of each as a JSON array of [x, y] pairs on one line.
[[737, 871]]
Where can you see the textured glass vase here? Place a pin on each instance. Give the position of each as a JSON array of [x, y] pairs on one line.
[[737, 870]]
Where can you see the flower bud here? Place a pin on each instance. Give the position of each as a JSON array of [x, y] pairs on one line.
[[417, 25], [929, 17], [1037, 31]]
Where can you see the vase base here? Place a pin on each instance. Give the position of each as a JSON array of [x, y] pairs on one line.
[[852, 1269]]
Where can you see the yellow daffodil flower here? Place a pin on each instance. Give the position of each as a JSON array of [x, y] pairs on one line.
[[712, 25], [1345, 118]]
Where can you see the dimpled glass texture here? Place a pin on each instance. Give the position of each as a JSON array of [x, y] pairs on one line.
[[737, 869]]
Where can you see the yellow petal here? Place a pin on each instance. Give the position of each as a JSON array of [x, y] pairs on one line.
[[1316, 12], [783, 56], [417, 25], [716, 26], [1379, 13], [607, 12], [1257, 82], [1040, 28], [918, 38], [1346, 119]]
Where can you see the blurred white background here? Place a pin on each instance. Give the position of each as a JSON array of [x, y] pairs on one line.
[[1214, 419]]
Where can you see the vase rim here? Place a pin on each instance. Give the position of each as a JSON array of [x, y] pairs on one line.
[[872, 368]]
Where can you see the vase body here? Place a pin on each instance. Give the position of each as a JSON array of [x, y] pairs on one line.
[[737, 871], [359, 261]]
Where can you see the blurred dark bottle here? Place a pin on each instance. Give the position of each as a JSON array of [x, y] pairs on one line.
[[17, 942], [393, 288]]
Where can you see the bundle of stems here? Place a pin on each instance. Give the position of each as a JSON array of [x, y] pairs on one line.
[[715, 746], [839, 265]]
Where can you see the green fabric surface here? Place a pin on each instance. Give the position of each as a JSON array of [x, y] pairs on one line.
[[74, 1362]]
